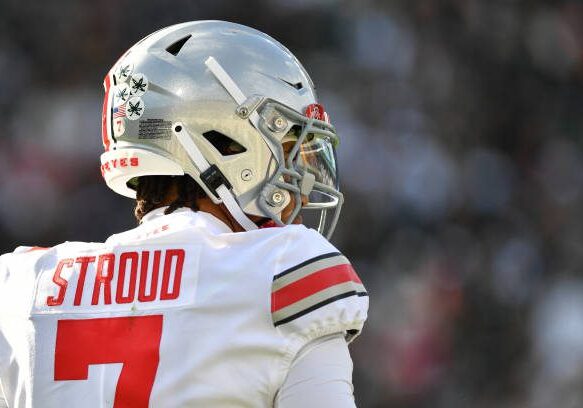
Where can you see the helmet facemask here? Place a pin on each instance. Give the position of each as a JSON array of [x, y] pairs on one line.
[[309, 169]]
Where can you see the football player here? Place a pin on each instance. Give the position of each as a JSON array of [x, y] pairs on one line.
[[220, 297]]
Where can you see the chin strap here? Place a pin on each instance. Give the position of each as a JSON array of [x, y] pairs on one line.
[[212, 177]]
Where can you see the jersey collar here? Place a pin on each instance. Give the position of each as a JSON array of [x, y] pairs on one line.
[[209, 221], [159, 212]]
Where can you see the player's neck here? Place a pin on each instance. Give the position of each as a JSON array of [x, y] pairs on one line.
[[219, 211]]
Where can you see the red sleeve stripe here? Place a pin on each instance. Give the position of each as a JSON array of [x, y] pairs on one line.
[[307, 268], [105, 117], [312, 284]]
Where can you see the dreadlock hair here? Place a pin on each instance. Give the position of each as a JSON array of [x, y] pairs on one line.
[[151, 191]]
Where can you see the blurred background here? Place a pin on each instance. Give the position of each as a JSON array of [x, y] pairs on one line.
[[461, 160]]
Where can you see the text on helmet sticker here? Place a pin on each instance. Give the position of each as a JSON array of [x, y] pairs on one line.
[[119, 163], [155, 129], [119, 126]]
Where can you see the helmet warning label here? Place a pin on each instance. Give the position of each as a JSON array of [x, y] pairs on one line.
[[155, 129]]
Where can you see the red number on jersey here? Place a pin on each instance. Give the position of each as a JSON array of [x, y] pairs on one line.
[[133, 341]]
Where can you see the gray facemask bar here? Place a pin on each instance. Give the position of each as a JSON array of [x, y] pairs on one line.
[[301, 182], [298, 176]]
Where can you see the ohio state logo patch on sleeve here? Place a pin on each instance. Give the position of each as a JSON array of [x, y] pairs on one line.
[[311, 285]]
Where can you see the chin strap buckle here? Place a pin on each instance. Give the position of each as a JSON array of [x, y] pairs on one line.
[[213, 178]]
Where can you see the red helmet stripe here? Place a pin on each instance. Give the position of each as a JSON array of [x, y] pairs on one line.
[[104, 113]]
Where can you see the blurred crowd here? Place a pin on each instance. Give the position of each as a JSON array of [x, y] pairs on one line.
[[461, 159]]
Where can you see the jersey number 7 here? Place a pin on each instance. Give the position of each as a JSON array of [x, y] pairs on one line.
[[133, 341]]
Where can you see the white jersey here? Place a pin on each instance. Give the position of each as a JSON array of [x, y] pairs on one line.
[[178, 312]]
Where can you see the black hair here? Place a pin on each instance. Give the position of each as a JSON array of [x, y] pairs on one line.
[[152, 191]]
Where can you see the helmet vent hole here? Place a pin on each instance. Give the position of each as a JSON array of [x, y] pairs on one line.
[[223, 143], [296, 85], [175, 48]]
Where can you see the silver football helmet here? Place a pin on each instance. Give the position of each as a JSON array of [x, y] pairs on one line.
[[217, 101]]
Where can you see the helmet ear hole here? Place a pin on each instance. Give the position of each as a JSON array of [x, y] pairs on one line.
[[223, 143]]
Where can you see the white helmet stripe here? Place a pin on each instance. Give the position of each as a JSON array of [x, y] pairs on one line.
[[225, 79], [106, 131]]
